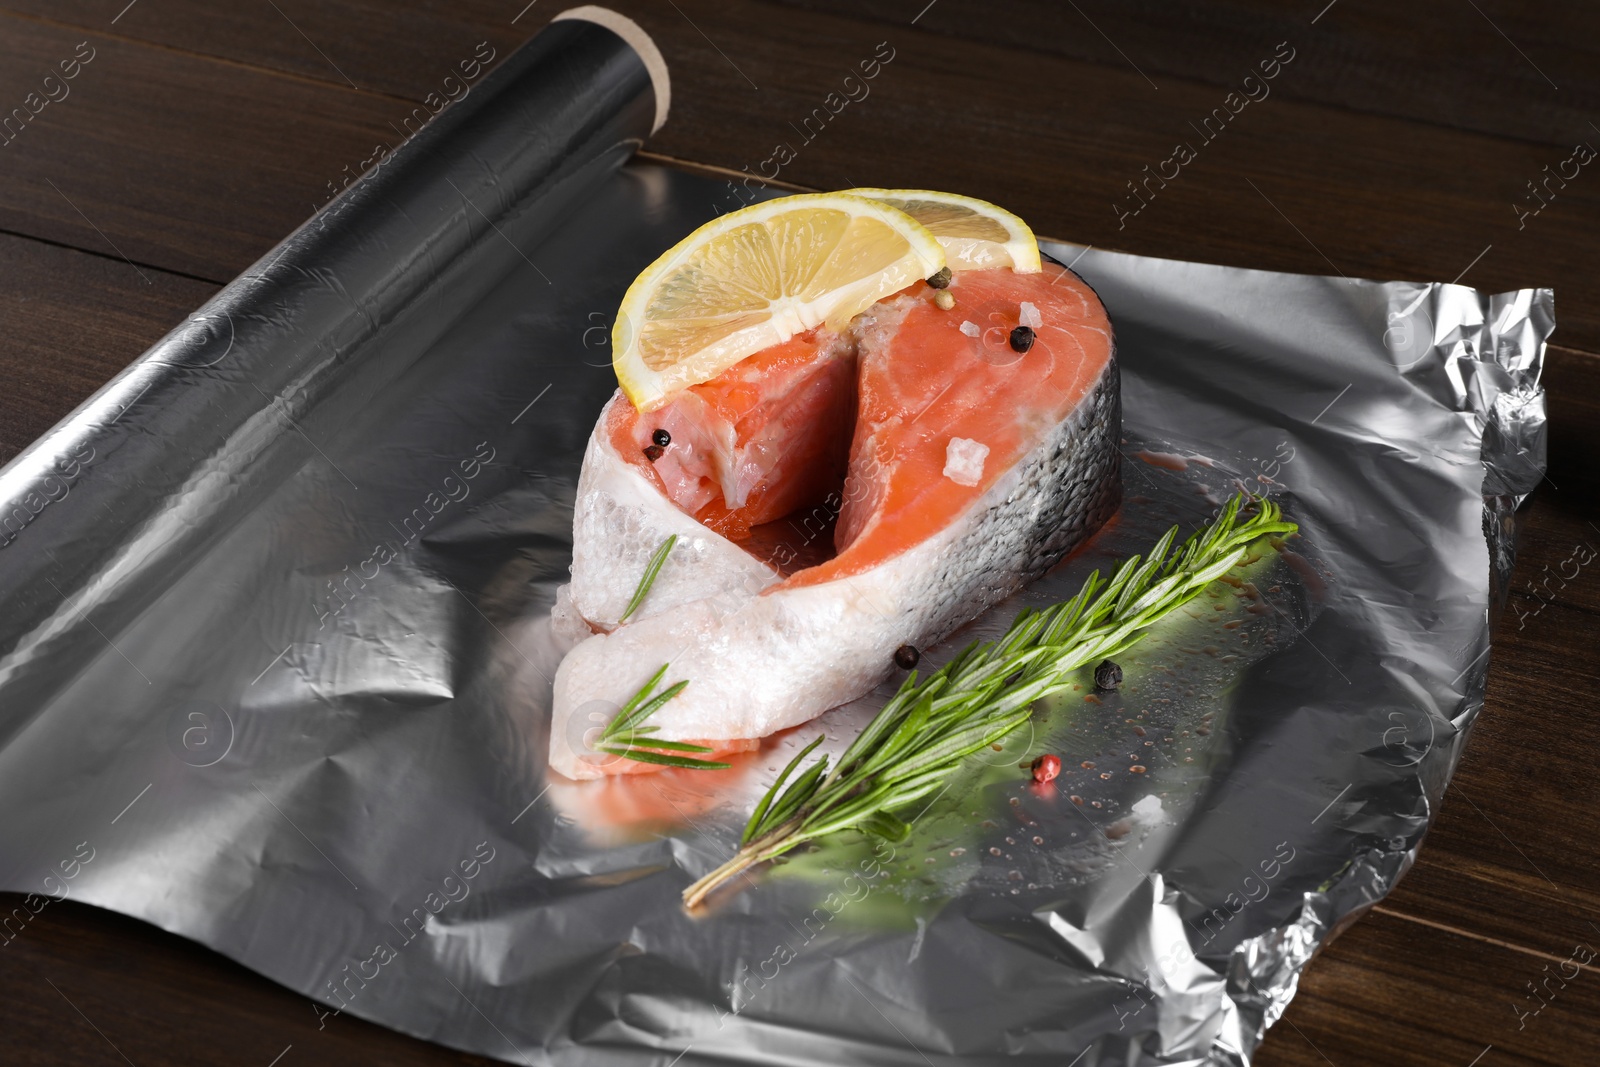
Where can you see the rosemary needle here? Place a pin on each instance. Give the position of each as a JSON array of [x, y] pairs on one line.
[[932, 724], [625, 736], [651, 569]]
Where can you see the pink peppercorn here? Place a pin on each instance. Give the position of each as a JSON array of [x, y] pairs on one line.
[[1046, 768]]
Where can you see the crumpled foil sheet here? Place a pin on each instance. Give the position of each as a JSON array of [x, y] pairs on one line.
[[276, 652]]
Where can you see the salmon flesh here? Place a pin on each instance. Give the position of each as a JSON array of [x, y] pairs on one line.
[[834, 497]]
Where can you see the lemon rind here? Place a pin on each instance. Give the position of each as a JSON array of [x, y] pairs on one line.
[[649, 389], [965, 253]]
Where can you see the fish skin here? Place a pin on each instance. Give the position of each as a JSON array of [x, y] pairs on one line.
[[620, 519], [758, 663]]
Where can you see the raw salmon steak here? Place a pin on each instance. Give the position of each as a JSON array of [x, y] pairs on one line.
[[834, 497]]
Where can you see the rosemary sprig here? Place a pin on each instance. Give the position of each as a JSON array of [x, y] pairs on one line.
[[624, 736], [651, 569], [912, 746]]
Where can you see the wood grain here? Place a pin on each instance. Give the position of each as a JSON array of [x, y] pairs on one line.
[[1389, 992], [170, 160], [1395, 144], [1276, 189], [1279, 188], [91, 987], [400, 50], [1533, 83], [1499, 69], [55, 354]]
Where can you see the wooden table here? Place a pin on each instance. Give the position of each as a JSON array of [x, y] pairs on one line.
[[1397, 141]]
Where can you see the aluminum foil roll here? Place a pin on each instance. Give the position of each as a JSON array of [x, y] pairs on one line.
[[275, 659]]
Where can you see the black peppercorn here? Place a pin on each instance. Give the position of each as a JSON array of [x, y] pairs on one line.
[[906, 657], [941, 280], [1108, 675], [662, 438], [653, 452], [1022, 338]]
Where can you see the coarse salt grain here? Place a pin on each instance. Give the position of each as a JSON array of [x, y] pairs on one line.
[[970, 328], [963, 460], [1029, 316], [1148, 809]]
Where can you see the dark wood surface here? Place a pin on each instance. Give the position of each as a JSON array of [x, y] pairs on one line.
[[1396, 143]]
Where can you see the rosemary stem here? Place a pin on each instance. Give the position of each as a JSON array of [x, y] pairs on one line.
[[755, 852], [933, 724]]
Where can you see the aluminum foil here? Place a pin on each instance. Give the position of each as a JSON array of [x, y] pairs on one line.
[[276, 651]]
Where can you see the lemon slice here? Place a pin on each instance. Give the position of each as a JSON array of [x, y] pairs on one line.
[[756, 277], [975, 233]]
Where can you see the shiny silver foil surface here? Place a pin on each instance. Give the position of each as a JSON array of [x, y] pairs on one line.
[[275, 654]]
